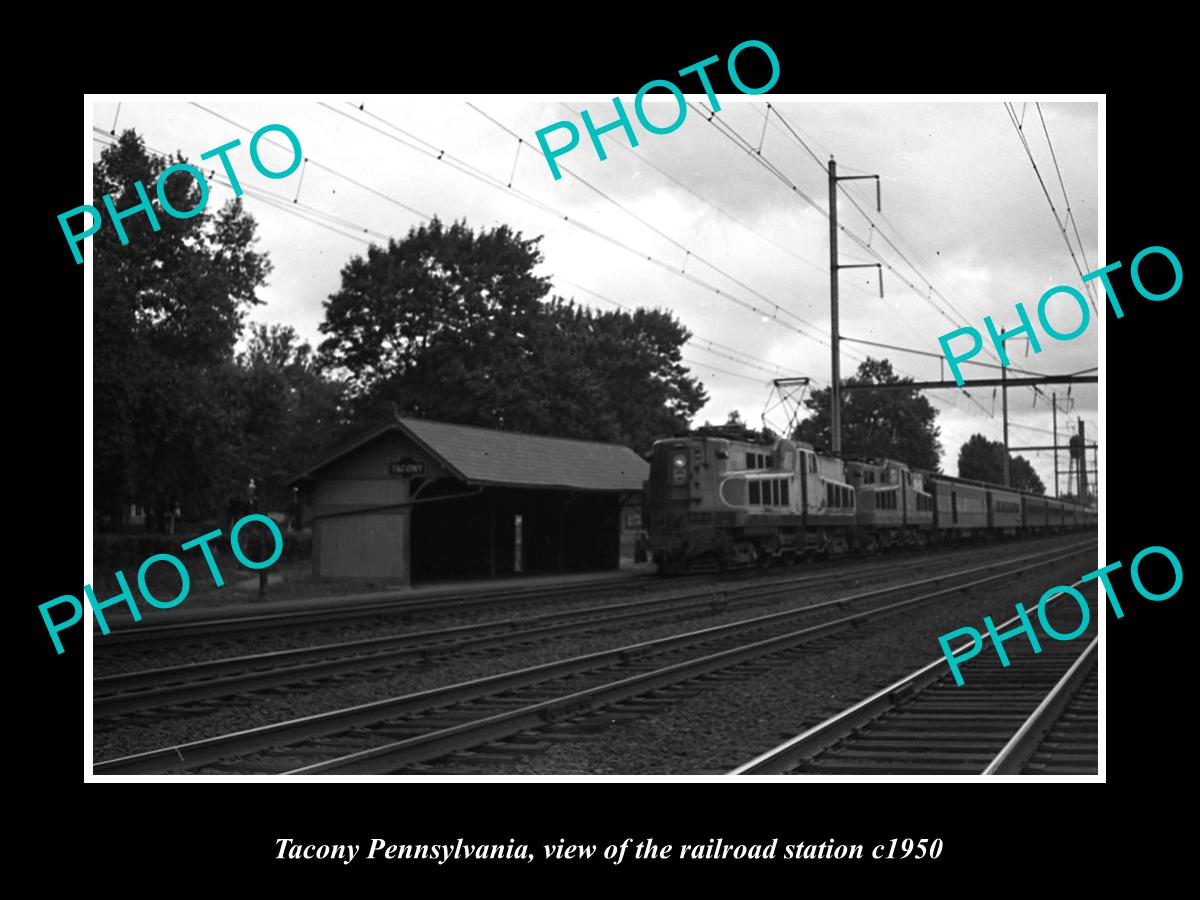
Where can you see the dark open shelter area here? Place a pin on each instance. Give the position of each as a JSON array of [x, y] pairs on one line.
[[418, 500]]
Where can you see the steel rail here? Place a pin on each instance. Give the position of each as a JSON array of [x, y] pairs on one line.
[[387, 604], [1024, 744], [469, 734], [395, 607], [153, 688], [198, 753], [786, 756], [170, 685]]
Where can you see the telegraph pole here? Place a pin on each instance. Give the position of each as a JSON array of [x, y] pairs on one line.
[[1054, 406], [1004, 407], [1082, 464], [835, 391]]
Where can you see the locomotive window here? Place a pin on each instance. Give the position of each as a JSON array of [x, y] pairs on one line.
[[754, 492], [775, 491], [812, 462], [783, 493]]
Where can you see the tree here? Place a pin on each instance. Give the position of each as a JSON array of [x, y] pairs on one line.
[[429, 320], [451, 324], [983, 460], [290, 413], [169, 308], [895, 424]]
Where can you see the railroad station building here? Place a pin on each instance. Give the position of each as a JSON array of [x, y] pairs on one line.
[[417, 500]]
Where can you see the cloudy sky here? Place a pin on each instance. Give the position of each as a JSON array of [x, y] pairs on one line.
[[726, 229]]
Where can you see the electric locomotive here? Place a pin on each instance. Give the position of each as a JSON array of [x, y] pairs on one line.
[[724, 497]]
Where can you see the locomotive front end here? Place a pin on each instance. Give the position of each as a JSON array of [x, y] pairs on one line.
[[679, 503]]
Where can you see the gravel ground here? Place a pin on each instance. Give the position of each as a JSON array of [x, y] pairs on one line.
[[121, 660], [150, 730], [733, 721], [117, 661]]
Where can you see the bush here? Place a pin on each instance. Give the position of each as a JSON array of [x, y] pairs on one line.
[[127, 551]]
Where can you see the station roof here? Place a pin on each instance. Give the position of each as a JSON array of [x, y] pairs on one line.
[[507, 458]]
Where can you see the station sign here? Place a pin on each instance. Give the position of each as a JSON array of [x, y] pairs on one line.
[[407, 466]]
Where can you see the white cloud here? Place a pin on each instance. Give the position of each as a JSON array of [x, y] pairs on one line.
[[965, 203]]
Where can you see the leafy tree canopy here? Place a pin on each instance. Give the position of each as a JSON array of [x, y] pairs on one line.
[[895, 424], [452, 324], [178, 418], [290, 413], [983, 460], [169, 307]]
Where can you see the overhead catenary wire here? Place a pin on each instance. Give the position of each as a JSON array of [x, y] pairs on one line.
[[794, 134], [441, 155], [771, 312], [790, 130], [336, 224], [642, 160], [731, 134], [1062, 184], [321, 166], [1089, 286], [697, 341], [932, 289], [654, 228], [309, 214], [273, 201], [866, 244]]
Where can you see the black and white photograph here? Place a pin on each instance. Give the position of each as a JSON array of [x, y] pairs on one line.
[[692, 434]]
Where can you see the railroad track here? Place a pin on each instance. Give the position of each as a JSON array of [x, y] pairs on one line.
[[150, 641], [1036, 716], [120, 695], [407, 731], [384, 606]]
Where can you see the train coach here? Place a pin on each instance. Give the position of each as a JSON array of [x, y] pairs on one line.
[[721, 498]]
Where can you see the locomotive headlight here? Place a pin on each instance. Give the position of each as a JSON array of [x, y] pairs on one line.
[[679, 468]]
